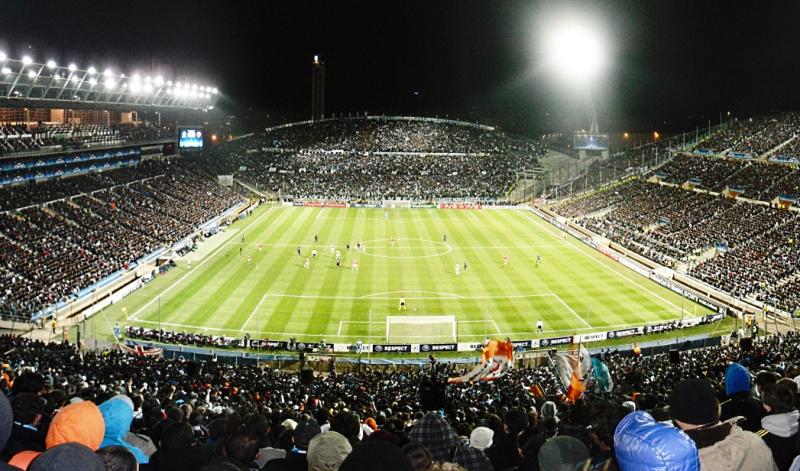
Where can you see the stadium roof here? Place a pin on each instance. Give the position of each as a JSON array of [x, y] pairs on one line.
[[26, 82]]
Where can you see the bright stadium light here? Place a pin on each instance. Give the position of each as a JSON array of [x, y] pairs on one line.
[[93, 81], [215, 91], [27, 60], [31, 74], [51, 64], [159, 81], [575, 49], [3, 56], [75, 79], [135, 77], [72, 67], [148, 88], [6, 70], [91, 70], [107, 73], [110, 84]]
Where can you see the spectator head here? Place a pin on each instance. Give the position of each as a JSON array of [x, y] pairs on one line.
[[515, 421], [777, 398], [347, 424], [693, 404], [176, 436], [550, 411], [68, 456], [737, 379], [562, 453], [27, 408], [81, 422], [304, 432], [481, 438], [28, 382], [765, 377], [376, 454], [604, 422], [529, 443], [433, 432], [419, 456], [118, 416], [242, 446], [118, 458], [642, 443], [327, 451], [789, 383]]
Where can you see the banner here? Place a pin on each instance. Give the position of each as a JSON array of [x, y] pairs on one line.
[[391, 348], [496, 361], [553, 341], [437, 347], [460, 206], [625, 332], [573, 368]]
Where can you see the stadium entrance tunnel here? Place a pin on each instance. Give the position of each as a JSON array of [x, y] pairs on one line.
[[406, 249]]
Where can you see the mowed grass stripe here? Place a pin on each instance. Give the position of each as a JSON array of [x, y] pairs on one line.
[[312, 303]]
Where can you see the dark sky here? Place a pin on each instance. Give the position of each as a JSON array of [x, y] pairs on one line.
[[675, 64]]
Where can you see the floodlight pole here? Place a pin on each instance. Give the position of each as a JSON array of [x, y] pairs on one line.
[[587, 97]]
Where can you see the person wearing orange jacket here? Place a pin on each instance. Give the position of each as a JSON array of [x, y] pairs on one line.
[[81, 422]]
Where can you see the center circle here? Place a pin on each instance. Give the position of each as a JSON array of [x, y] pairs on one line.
[[403, 248]]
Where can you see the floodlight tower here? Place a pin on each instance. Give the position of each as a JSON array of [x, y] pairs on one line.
[[577, 54]]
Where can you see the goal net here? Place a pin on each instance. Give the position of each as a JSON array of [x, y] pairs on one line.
[[407, 329]]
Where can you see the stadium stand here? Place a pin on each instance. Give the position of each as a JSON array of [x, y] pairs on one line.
[[374, 159], [194, 410], [109, 220], [25, 138]]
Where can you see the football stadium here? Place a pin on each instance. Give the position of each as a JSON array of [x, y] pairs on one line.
[[534, 243]]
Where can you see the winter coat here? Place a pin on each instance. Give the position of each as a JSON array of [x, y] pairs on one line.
[[641, 443], [80, 422], [118, 417], [780, 435], [726, 447], [435, 434]]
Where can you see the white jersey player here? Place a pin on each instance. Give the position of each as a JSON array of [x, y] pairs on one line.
[[539, 326], [402, 306], [307, 263], [458, 269]]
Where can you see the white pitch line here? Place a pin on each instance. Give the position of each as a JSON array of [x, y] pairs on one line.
[[260, 302], [210, 255], [573, 312], [387, 298], [571, 244]]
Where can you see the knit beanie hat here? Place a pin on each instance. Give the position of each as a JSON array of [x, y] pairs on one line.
[[694, 402], [327, 451], [481, 438], [737, 379]]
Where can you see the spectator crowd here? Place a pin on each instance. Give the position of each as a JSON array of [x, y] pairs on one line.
[[100, 224], [376, 159], [720, 407]]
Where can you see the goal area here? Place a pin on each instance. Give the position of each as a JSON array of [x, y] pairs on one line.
[[408, 329]]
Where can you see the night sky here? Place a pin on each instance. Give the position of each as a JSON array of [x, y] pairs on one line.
[[676, 64]]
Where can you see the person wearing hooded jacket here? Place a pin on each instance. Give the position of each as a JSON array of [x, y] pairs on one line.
[[435, 434], [723, 446], [77, 423], [739, 401], [641, 443], [118, 417], [780, 425]]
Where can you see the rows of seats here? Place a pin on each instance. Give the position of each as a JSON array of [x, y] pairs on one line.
[[29, 138], [57, 250]]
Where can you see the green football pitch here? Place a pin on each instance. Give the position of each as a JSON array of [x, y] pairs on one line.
[[250, 279]]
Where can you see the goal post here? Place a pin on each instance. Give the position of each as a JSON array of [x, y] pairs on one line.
[[421, 329]]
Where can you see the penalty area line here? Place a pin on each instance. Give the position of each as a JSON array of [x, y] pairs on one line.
[[260, 302]]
